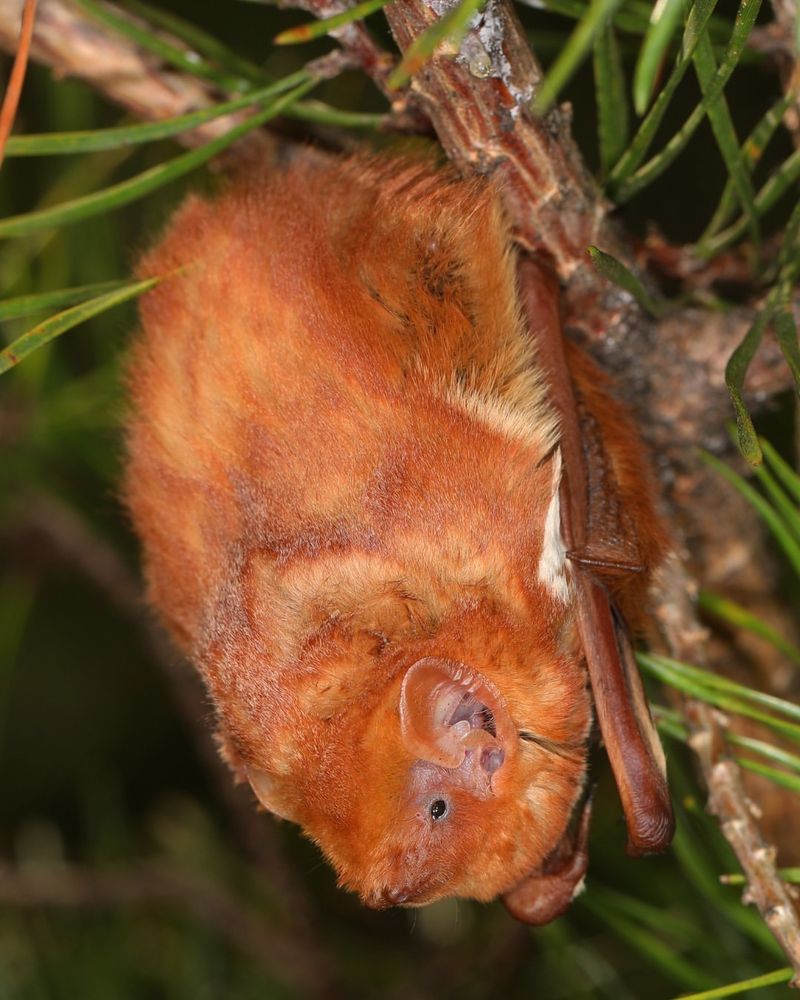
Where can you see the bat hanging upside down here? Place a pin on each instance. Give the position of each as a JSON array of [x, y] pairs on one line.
[[399, 525]]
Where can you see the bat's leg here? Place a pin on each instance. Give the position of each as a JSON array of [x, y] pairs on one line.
[[547, 893]]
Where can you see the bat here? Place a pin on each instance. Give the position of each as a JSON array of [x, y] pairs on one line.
[[399, 525]]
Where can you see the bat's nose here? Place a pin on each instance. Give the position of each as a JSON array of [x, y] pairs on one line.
[[395, 895], [389, 895]]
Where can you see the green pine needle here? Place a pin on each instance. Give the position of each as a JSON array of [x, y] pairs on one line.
[[696, 23], [572, 55], [316, 29], [146, 182], [780, 531], [621, 276], [735, 373], [664, 21], [739, 617], [624, 183], [612, 103], [53, 327], [29, 305], [743, 986], [68, 143]]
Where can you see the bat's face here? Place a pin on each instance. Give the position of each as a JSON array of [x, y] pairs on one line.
[[455, 796]]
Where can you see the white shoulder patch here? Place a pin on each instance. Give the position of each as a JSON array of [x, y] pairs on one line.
[[535, 422], [553, 560]]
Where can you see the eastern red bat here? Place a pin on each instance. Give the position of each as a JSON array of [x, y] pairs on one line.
[[393, 520]]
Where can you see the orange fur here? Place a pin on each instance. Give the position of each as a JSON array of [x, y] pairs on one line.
[[341, 458]]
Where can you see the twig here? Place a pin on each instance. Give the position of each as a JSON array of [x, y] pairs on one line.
[[728, 802], [68, 40], [8, 110], [677, 262], [374, 61], [354, 38], [71, 887], [478, 103], [728, 799]]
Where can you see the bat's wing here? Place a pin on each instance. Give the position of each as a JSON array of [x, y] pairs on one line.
[[601, 547]]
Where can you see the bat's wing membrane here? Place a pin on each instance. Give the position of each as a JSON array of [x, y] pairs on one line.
[[602, 547]]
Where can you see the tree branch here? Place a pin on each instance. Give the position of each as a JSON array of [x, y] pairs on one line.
[[729, 803], [73, 44], [478, 101], [728, 799]]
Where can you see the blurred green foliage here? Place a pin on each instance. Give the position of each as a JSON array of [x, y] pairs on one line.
[[101, 771]]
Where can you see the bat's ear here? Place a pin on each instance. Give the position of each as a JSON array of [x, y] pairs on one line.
[[268, 792], [447, 709], [429, 699]]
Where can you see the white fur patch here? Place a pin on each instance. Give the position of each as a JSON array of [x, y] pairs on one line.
[[533, 422], [579, 887], [553, 560]]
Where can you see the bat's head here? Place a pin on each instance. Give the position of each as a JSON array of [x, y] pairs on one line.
[[451, 797]]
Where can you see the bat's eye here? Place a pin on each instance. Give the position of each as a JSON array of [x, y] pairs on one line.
[[438, 809]]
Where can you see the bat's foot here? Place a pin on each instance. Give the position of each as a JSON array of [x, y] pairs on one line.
[[547, 893]]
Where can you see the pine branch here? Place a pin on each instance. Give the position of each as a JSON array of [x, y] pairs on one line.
[[774, 899], [69, 41]]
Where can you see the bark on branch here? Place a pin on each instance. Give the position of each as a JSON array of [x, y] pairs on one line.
[[728, 801]]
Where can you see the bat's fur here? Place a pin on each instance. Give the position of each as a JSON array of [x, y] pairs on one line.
[[341, 462]]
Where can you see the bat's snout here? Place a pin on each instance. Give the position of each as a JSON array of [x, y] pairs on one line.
[[388, 896]]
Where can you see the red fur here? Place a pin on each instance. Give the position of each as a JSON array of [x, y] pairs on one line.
[[340, 463]]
